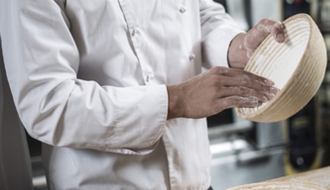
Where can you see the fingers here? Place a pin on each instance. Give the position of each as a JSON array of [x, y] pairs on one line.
[[262, 96], [241, 77], [259, 32], [237, 101], [268, 26], [245, 84]]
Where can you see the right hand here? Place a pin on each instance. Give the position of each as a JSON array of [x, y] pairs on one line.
[[216, 90]]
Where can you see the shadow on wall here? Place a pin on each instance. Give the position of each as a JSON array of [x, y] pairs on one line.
[[15, 163]]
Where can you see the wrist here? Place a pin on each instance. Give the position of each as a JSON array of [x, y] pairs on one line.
[[174, 102]]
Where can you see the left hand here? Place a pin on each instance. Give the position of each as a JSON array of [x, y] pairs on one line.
[[243, 45]]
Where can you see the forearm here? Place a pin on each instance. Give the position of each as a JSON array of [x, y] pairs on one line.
[[56, 107], [174, 99]]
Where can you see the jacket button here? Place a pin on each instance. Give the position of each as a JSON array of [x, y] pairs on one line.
[[149, 78], [183, 9], [192, 57]]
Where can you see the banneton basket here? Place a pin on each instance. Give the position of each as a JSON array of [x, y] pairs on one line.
[[297, 68]]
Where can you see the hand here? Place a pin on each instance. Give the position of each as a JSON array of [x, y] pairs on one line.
[[243, 46], [217, 89]]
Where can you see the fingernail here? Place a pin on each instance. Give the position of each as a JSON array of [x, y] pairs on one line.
[[271, 96], [280, 37], [269, 82], [265, 99], [255, 102], [274, 90]]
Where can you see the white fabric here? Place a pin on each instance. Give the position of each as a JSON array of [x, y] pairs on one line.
[[88, 79]]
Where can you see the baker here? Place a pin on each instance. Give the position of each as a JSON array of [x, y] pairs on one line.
[[115, 91]]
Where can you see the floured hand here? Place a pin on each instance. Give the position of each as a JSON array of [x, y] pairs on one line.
[[259, 32], [217, 89], [243, 46]]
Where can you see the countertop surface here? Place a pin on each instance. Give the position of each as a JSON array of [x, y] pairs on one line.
[[318, 179]]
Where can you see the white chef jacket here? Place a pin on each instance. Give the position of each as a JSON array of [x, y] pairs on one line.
[[88, 80]]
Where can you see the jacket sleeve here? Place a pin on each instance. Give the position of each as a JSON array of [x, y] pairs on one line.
[[218, 29], [56, 107]]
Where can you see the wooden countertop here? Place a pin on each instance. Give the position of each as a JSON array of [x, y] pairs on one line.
[[318, 179]]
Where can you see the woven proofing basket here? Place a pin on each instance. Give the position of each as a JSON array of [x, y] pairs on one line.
[[297, 68]]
